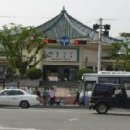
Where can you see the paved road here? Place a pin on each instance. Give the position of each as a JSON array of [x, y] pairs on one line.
[[62, 119]]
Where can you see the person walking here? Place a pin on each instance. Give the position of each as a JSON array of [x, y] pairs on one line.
[[77, 98], [52, 96], [37, 92], [45, 96]]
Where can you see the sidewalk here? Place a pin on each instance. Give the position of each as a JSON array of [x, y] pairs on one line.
[[65, 106]]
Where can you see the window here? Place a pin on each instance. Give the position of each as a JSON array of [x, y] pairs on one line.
[[16, 92], [109, 80], [103, 89], [20, 93], [5, 93], [13, 92]]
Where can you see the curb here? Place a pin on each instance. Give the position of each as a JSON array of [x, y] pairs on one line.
[[63, 107]]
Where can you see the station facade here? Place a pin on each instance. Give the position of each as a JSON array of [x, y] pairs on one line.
[[72, 46]]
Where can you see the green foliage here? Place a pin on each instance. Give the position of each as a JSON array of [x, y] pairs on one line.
[[34, 73], [20, 45], [125, 34], [10, 72], [80, 72], [116, 47], [121, 52]]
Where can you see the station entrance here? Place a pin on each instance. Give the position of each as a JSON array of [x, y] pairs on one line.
[[59, 73]]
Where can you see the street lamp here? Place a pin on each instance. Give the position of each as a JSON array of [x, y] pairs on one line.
[[4, 78], [99, 26], [86, 61]]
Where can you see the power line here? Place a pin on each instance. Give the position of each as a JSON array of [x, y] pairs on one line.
[[27, 17]]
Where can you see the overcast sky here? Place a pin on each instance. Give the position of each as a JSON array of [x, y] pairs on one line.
[[36, 12]]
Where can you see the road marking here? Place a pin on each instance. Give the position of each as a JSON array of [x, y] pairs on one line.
[[12, 128], [73, 119], [64, 129]]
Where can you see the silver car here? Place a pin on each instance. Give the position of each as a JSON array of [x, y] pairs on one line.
[[18, 97]]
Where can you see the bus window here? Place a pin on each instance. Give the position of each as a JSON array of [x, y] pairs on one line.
[[124, 80], [108, 80]]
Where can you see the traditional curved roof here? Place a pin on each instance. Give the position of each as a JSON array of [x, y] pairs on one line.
[[65, 25]]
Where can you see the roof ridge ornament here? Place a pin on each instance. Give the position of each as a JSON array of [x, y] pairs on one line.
[[63, 9]]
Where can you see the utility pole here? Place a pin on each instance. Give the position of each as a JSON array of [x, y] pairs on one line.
[[100, 26], [99, 45]]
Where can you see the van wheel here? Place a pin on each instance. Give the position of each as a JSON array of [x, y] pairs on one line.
[[102, 108], [24, 104]]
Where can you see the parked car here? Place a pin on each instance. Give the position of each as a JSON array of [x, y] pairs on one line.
[[18, 97], [106, 96]]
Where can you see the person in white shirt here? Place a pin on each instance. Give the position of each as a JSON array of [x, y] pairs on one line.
[[29, 90]]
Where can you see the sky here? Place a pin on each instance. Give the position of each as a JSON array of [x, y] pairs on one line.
[[36, 12]]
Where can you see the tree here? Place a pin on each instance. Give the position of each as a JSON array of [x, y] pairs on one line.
[[20, 45], [121, 52], [10, 71]]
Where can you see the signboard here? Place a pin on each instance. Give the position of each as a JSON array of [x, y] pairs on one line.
[[64, 41], [61, 54]]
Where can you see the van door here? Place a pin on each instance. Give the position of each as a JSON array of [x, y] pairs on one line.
[[120, 98]]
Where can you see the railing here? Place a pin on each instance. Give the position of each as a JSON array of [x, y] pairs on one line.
[[106, 58], [59, 83]]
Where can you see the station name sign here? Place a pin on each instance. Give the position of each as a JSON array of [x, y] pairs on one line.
[[56, 54]]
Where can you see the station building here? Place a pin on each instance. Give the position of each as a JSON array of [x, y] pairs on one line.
[[72, 46]]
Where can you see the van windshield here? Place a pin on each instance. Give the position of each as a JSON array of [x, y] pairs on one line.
[[103, 90]]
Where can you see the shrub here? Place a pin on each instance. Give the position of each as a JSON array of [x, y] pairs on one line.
[[80, 72], [34, 73]]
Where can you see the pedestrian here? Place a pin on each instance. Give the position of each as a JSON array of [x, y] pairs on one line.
[[61, 102], [45, 96], [77, 98], [29, 90], [52, 96], [37, 92]]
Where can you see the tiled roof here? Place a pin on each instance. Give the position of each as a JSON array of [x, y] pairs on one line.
[[65, 25]]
